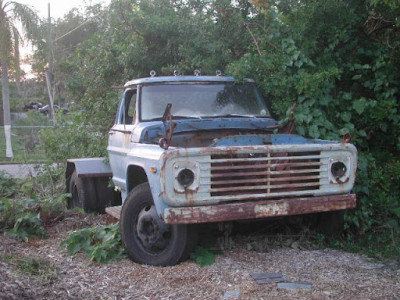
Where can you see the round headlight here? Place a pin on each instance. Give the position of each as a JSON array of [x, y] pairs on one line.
[[338, 169], [185, 177]]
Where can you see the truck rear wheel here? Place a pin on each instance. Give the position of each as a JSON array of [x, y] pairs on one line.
[[83, 193], [147, 238]]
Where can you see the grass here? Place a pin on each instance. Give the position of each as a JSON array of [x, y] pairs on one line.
[[24, 148], [34, 267]]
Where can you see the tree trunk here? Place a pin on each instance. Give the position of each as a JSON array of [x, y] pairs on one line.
[[6, 108]]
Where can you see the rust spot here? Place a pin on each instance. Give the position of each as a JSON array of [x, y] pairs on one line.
[[342, 182], [258, 209]]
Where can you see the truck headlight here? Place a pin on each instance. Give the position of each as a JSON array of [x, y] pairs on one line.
[[185, 177], [338, 169]]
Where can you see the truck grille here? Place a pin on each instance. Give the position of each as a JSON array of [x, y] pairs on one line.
[[265, 173]]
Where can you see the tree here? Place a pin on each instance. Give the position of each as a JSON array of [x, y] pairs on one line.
[[10, 39], [339, 60]]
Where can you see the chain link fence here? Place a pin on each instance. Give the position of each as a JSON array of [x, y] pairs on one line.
[[26, 143]]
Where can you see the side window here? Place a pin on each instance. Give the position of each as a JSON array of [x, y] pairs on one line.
[[127, 113]]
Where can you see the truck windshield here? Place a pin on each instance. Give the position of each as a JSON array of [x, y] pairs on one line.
[[198, 100]]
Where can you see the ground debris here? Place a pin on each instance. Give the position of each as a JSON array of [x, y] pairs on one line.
[[231, 295], [268, 278], [299, 285], [334, 274]]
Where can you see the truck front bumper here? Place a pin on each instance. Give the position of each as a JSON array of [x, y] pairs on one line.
[[258, 209]]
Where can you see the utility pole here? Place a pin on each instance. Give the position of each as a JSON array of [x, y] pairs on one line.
[[50, 70]]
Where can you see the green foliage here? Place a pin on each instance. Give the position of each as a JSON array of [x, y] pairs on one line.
[[379, 201], [338, 60], [204, 256], [139, 36], [79, 139], [11, 210], [101, 243], [26, 203], [329, 58], [27, 226], [7, 185]]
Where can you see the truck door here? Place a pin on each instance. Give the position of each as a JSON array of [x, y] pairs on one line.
[[119, 136]]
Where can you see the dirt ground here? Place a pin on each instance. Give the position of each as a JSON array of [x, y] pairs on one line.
[[333, 274]]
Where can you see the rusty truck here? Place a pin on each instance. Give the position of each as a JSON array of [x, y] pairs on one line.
[[185, 150]]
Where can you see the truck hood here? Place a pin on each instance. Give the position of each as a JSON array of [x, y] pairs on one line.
[[266, 139], [146, 132], [218, 132]]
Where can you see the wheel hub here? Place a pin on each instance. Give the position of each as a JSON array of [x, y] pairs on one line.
[[153, 233]]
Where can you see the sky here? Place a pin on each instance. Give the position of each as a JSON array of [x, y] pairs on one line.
[[58, 8]]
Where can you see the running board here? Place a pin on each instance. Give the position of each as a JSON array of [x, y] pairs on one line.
[[114, 211]]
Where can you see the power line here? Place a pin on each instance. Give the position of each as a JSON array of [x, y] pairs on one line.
[[69, 32]]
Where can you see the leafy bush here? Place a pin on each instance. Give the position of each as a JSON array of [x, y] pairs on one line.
[[80, 138], [330, 59], [375, 227], [204, 256], [7, 185], [101, 243], [338, 60], [27, 226], [11, 210], [27, 202]]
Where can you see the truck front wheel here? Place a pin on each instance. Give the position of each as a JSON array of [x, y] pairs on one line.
[[148, 240]]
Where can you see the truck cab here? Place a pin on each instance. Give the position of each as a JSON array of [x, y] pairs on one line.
[[197, 149]]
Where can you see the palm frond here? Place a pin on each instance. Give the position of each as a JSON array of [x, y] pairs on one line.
[[12, 13], [27, 16]]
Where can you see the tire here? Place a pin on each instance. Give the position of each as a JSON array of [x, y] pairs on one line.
[[83, 194], [147, 239], [331, 223], [104, 195]]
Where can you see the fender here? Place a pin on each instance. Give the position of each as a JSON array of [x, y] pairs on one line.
[[87, 168]]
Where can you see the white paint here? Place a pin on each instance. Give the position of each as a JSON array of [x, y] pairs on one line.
[[7, 133], [274, 209]]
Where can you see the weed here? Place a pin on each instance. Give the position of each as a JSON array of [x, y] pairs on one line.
[[101, 243], [27, 226], [23, 204], [7, 185], [205, 256], [12, 209]]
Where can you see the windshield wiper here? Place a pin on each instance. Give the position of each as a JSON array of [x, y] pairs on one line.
[[186, 117], [175, 118], [165, 142], [236, 116]]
